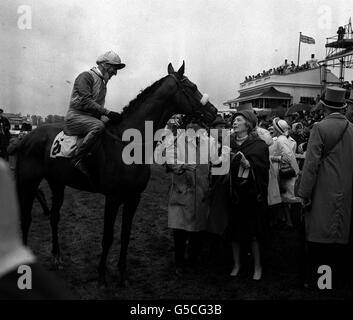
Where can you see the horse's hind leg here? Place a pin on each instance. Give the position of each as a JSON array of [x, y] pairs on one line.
[[26, 195], [42, 201], [57, 201], [29, 174]]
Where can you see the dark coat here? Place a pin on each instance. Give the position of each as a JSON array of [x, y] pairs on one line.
[[328, 182], [256, 152], [247, 217]]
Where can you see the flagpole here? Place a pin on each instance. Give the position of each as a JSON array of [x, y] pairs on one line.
[[300, 36]]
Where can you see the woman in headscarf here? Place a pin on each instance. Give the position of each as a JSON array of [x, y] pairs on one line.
[[248, 185], [283, 155]]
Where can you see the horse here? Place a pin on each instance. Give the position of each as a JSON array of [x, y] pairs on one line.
[[120, 183]]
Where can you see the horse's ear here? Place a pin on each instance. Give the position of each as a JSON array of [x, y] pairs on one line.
[[181, 70], [170, 68]]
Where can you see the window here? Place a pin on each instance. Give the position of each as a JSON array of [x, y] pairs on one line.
[[307, 100]]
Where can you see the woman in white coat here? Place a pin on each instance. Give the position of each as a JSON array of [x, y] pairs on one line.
[[282, 153]]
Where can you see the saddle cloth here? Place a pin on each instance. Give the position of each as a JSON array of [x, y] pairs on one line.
[[64, 145]]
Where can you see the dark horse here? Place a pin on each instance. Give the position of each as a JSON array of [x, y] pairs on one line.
[[119, 182]]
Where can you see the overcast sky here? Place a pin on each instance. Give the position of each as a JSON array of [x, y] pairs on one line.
[[221, 41]]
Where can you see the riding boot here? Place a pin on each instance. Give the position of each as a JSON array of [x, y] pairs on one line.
[[78, 159], [78, 163], [82, 151]]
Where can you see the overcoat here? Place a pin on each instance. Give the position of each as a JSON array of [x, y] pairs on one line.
[[327, 181]]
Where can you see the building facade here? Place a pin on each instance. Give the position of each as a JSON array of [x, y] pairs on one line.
[[280, 91]]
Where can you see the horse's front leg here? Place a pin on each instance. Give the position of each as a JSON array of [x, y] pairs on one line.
[[128, 215], [112, 204]]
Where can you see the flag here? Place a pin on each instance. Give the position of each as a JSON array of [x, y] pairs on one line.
[[307, 39]]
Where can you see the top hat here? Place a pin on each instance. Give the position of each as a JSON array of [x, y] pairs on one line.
[[245, 106], [350, 98], [334, 98], [219, 121]]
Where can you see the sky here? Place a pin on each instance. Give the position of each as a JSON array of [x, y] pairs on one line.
[[46, 44]]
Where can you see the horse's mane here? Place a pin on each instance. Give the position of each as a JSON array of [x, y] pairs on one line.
[[134, 104]]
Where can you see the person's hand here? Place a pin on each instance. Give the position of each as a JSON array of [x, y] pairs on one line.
[[177, 169], [300, 148], [114, 116], [243, 161], [285, 158], [189, 167], [275, 158], [305, 202], [104, 118]]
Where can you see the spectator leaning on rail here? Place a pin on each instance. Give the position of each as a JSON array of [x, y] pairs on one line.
[[84, 117], [326, 188]]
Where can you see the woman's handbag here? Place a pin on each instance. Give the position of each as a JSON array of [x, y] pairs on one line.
[[286, 171]]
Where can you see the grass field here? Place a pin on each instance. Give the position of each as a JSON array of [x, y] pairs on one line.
[[150, 259]]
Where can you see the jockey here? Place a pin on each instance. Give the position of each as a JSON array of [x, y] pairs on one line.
[[84, 117]]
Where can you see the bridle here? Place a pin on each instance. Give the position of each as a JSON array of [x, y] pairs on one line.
[[194, 103]]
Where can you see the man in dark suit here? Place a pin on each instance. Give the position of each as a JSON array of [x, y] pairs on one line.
[[326, 187], [4, 135]]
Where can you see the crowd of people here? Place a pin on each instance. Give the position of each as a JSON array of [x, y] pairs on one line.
[[285, 68], [279, 170]]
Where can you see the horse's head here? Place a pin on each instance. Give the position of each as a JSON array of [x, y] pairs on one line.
[[189, 100]]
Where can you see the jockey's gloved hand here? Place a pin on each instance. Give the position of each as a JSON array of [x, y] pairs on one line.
[[114, 116]]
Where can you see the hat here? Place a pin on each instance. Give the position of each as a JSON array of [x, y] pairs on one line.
[[110, 57], [334, 98], [219, 120], [245, 106], [280, 125], [296, 126], [350, 98], [248, 115]]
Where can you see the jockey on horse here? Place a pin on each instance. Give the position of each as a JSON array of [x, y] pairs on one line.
[[84, 117]]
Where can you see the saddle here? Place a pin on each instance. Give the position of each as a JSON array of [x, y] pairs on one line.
[[64, 146]]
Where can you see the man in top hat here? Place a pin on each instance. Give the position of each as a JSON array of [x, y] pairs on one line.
[[326, 187], [87, 105], [349, 113], [245, 106]]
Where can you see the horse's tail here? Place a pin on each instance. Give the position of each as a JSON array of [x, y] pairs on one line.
[[33, 144], [30, 171]]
